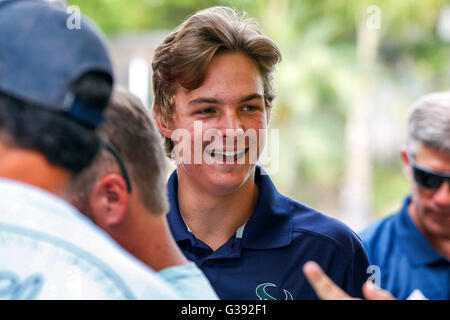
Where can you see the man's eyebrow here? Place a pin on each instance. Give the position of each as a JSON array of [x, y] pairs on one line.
[[251, 97], [206, 100], [203, 101]]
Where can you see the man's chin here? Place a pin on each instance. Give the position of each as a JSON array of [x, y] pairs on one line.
[[225, 179], [438, 224]]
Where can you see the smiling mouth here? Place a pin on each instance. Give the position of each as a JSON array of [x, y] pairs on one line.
[[442, 213], [228, 156]]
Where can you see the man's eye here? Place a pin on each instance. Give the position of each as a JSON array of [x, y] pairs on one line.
[[250, 108], [205, 111]]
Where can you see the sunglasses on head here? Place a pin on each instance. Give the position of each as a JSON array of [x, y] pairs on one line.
[[123, 169], [428, 178]]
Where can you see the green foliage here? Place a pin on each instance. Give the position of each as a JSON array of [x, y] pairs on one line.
[[390, 187], [316, 79]]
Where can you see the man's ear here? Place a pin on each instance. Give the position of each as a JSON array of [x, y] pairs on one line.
[[108, 200], [162, 125], [405, 162], [268, 114]]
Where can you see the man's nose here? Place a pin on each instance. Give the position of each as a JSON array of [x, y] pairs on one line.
[[442, 195], [232, 129], [231, 121]]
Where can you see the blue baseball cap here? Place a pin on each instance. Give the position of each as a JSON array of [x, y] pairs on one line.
[[41, 57]]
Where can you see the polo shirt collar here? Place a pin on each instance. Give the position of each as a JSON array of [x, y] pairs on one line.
[[419, 249], [177, 226], [269, 226]]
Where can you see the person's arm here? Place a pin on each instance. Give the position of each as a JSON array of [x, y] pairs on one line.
[[326, 289]]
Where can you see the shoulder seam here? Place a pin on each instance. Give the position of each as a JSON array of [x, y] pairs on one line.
[[321, 235], [325, 237]]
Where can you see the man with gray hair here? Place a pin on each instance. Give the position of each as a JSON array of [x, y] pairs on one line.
[[412, 246]]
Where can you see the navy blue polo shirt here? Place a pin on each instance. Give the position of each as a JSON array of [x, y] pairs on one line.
[[409, 265], [264, 259]]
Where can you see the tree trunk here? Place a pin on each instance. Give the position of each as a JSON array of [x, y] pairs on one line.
[[357, 189]]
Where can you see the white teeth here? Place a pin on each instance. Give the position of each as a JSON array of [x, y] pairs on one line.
[[227, 153]]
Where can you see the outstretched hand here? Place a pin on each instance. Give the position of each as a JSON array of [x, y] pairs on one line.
[[326, 289]]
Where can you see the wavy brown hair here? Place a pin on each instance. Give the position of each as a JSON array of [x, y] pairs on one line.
[[185, 54]]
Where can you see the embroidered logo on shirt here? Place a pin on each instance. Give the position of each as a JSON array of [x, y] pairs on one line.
[[15, 289], [416, 295], [263, 295]]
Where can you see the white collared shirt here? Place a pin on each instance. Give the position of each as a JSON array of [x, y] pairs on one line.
[[188, 281], [48, 250]]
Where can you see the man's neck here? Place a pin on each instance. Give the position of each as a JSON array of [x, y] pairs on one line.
[[440, 244], [32, 167], [211, 218], [147, 236]]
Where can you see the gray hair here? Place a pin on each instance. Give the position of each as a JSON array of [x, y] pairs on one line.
[[429, 122]]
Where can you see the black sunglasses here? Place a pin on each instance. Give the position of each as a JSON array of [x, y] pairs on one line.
[[428, 178], [123, 169]]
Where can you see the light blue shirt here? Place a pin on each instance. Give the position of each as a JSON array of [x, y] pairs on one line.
[[189, 282], [48, 250]]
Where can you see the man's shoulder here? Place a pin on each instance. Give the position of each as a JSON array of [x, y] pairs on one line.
[[377, 230], [41, 225], [310, 223], [332, 244], [188, 281], [378, 238]]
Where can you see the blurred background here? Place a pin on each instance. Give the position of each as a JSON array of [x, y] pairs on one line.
[[350, 71]]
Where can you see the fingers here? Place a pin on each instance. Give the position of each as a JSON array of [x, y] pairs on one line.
[[324, 287], [371, 292]]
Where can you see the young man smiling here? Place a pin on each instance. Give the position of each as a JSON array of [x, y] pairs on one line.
[[216, 69]]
